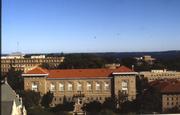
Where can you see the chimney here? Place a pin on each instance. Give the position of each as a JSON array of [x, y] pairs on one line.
[[132, 68]]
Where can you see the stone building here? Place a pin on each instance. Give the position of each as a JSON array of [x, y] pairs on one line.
[[19, 62], [160, 74], [94, 84], [11, 103], [170, 92]]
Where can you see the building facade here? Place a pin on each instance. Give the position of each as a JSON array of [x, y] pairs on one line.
[[170, 93], [93, 84], [11, 103], [160, 74], [27, 63]]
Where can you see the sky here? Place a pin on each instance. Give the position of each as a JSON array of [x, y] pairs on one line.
[[55, 26]]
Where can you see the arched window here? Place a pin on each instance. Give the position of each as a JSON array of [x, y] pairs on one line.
[[89, 86], [70, 86], [106, 86], [52, 87], [79, 86], [97, 86], [61, 87]]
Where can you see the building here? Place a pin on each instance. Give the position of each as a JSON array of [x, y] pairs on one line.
[[160, 74], [112, 66], [170, 92], [11, 103], [146, 58], [93, 84], [20, 62]]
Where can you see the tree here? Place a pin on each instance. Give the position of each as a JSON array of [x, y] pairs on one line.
[[151, 100], [93, 107], [47, 99], [128, 61], [31, 98], [109, 103], [78, 61], [175, 109], [65, 106], [15, 80], [121, 98]]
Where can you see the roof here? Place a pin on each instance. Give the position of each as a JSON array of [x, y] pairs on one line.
[[6, 107], [79, 73], [37, 70], [167, 86], [8, 94]]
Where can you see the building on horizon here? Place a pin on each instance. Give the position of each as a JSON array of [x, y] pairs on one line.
[[20, 62], [160, 74], [93, 84], [146, 58]]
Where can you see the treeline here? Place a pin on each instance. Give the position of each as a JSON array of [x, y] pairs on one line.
[[88, 60]]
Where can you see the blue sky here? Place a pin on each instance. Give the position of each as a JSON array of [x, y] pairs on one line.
[[52, 26]]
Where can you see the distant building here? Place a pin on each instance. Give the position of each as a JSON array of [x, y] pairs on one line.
[[160, 74], [19, 62], [170, 92], [93, 84], [112, 66], [11, 103], [146, 58]]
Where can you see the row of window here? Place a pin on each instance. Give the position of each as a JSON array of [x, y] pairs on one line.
[[172, 98], [172, 103], [32, 60], [61, 86], [166, 74], [79, 86], [88, 98], [89, 86]]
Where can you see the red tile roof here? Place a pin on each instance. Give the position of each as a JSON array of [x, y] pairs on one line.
[[167, 86], [37, 70], [79, 73]]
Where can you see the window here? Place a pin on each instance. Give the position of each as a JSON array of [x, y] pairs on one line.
[[61, 87], [100, 98], [97, 86], [35, 86], [89, 86], [125, 86], [52, 87], [106, 86], [69, 86], [79, 86]]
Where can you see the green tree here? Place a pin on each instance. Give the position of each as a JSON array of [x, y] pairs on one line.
[[151, 101], [93, 107], [47, 99], [30, 98], [78, 61], [109, 103], [15, 80], [121, 98]]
